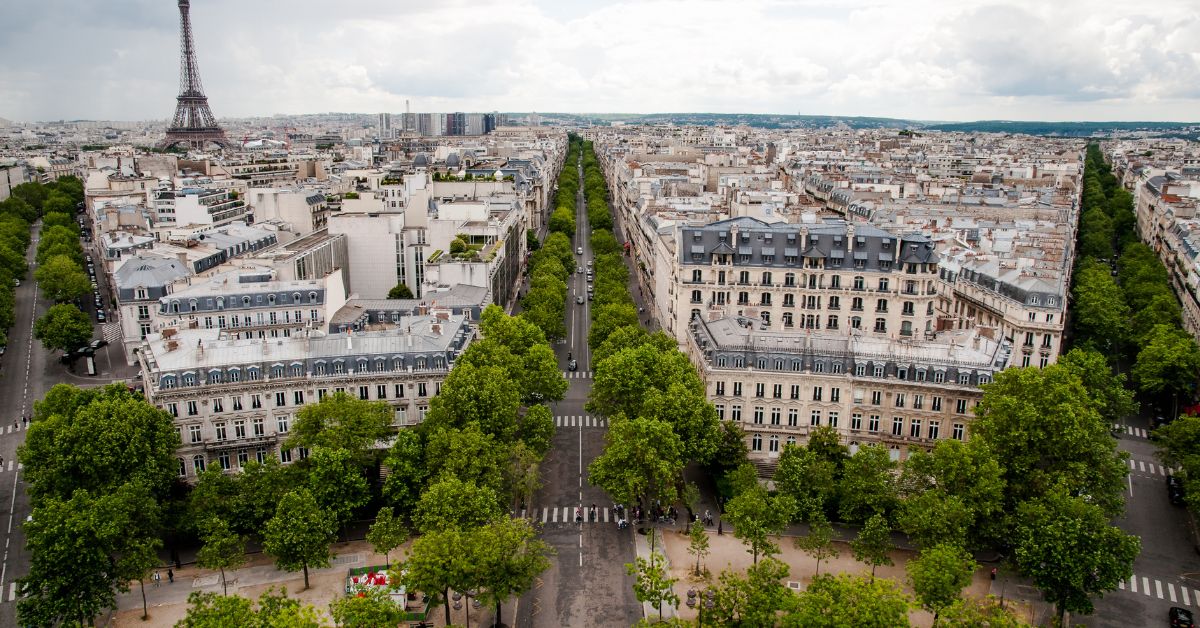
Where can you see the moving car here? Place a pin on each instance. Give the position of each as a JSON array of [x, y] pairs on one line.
[[579, 251], [579, 300], [96, 344], [572, 365], [1175, 490], [17, 282], [1181, 618]]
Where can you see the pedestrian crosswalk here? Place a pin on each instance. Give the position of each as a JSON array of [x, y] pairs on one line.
[[1148, 468], [580, 421], [1177, 594], [577, 374], [111, 332], [15, 427], [1139, 432], [566, 514]]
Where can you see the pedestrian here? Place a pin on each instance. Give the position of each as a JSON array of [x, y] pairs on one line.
[[170, 576], [993, 573], [157, 579]]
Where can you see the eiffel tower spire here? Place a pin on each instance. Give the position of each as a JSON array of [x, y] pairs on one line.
[[194, 124]]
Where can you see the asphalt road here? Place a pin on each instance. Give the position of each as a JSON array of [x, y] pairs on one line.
[[586, 584], [1167, 571]]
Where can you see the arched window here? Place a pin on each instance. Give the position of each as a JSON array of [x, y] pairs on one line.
[[297, 369], [214, 376], [818, 367], [339, 367], [220, 303], [189, 379], [295, 297], [198, 463], [235, 374], [312, 297], [246, 301], [270, 299], [762, 363], [192, 304], [362, 365], [174, 307], [397, 364], [252, 374], [319, 367], [277, 370], [420, 362], [182, 467]]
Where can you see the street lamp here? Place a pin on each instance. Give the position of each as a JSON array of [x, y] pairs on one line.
[[470, 593], [708, 602]]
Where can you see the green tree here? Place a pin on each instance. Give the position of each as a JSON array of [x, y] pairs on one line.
[[845, 601], [536, 429], [818, 543], [1101, 313], [641, 459], [754, 599], [137, 559], [691, 416], [1070, 551], [807, 478], [62, 279], [1044, 428], [299, 534], [340, 421], [1168, 364], [538, 374], [531, 240], [868, 486], [1107, 389], [108, 439], [337, 483], [469, 455], [370, 609], [441, 560], [939, 575], [509, 558], [63, 327], [652, 582], [405, 460], [523, 476], [756, 516], [400, 291], [387, 533], [481, 395], [451, 503], [209, 610], [622, 382], [1163, 309], [873, 545], [951, 493], [988, 612], [698, 542], [104, 537], [223, 549]]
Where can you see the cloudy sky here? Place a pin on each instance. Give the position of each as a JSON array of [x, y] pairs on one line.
[[919, 59]]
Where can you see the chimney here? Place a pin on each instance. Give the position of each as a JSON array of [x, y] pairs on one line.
[[349, 339], [182, 258]]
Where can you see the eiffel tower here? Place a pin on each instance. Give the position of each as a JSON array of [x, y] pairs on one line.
[[194, 125]]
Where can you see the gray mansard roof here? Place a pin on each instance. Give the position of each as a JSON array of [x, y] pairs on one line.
[[841, 244], [149, 272]]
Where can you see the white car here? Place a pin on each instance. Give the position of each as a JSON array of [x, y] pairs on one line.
[[579, 251]]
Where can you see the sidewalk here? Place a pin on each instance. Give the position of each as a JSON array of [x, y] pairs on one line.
[[642, 545]]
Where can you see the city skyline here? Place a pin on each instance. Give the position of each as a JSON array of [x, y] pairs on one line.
[[931, 61]]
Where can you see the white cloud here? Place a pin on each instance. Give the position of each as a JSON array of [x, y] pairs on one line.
[[924, 59]]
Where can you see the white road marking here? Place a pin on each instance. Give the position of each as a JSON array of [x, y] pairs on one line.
[[12, 591], [1121, 585], [545, 515], [554, 518], [1171, 591], [1132, 465], [1133, 584], [1186, 600], [1141, 466], [1146, 585], [1158, 589]]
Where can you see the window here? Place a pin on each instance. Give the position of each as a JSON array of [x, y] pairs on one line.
[[878, 370], [960, 406], [833, 419], [789, 300], [399, 390], [964, 378], [223, 458], [936, 404], [774, 443], [859, 285], [298, 397], [737, 389], [285, 455], [766, 278], [720, 388], [860, 370], [856, 421], [182, 467], [777, 391], [243, 457], [881, 325], [793, 417], [934, 428], [219, 428], [897, 426], [720, 410], [192, 409], [364, 392], [194, 433], [914, 428], [855, 322], [760, 389], [381, 391], [789, 280], [939, 377], [697, 276], [814, 418], [817, 393], [758, 415], [198, 463], [835, 303], [918, 402], [280, 399], [173, 408], [239, 429], [835, 282], [795, 391], [259, 427], [876, 398], [900, 399], [756, 442], [835, 395], [775, 414], [957, 431], [873, 423], [883, 284], [735, 412], [421, 390]]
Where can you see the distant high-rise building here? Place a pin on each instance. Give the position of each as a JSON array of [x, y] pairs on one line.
[[456, 123], [425, 124], [490, 122], [385, 125]]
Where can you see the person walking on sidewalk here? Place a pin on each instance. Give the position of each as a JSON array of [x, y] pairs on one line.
[[157, 578], [170, 576]]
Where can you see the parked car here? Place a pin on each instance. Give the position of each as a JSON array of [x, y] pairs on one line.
[[1181, 618], [1175, 490], [96, 344], [100, 316], [17, 282]]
